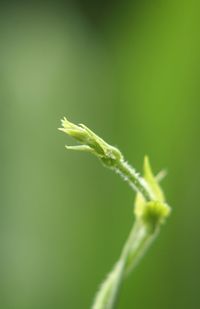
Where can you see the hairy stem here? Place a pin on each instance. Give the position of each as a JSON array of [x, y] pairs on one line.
[[134, 180], [150, 207], [135, 247]]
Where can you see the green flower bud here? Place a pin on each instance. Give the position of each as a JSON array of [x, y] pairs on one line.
[[154, 214], [91, 143]]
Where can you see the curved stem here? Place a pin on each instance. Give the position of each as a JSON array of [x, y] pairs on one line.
[[138, 241], [150, 208], [134, 180], [106, 298], [110, 156]]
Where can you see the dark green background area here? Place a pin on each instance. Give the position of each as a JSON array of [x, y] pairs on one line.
[[130, 71]]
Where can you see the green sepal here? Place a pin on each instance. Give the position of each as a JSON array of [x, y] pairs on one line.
[[152, 182], [157, 193], [154, 214]]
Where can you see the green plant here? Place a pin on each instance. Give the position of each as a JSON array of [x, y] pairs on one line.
[[150, 208]]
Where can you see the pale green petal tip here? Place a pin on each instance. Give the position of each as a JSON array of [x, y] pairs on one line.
[[161, 175], [80, 148]]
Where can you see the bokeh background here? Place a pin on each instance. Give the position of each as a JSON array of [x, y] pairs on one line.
[[130, 71]]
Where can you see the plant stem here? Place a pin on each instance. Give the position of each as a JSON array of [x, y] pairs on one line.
[[110, 156], [138, 241], [150, 207], [137, 183]]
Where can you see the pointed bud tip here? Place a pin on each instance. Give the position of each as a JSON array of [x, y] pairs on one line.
[[61, 129]]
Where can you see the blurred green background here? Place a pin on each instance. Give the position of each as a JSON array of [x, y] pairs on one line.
[[130, 71]]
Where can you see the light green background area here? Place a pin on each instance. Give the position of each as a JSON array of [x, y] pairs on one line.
[[134, 80]]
